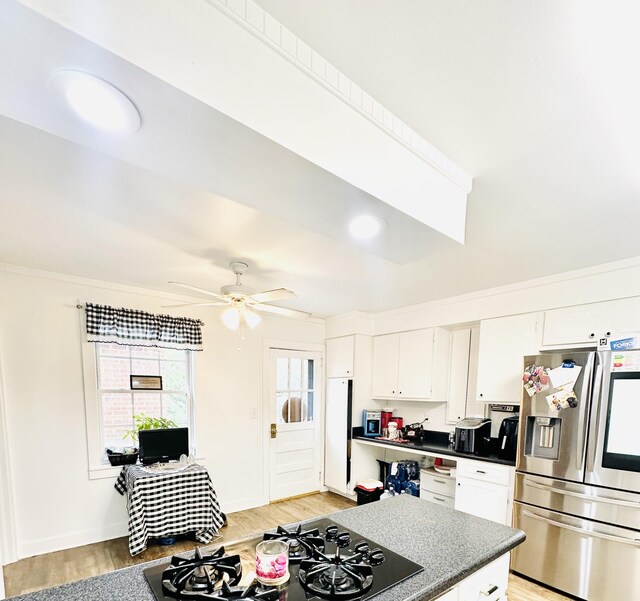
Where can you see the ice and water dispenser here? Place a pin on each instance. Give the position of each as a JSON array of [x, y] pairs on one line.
[[542, 438]]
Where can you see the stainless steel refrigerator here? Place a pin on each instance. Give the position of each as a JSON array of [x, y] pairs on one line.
[[577, 491]]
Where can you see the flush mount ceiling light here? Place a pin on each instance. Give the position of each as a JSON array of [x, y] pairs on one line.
[[365, 227], [97, 102]]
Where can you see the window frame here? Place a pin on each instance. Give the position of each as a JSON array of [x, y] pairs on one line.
[[98, 467]]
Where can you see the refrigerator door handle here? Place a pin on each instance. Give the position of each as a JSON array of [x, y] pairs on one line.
[[595, 406], [627, 541], [584, 401], [578, 495]]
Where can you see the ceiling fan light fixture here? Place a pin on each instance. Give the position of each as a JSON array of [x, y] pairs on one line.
[[251, 318], [365, 227], [231, 318], [97, 102]]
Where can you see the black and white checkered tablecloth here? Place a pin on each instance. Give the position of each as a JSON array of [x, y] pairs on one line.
[[162, 505]]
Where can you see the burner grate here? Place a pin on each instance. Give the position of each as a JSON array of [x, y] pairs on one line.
[[337, 576], [189, 577], [302, 543]]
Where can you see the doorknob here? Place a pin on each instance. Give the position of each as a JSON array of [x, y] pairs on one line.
[[274, 430]]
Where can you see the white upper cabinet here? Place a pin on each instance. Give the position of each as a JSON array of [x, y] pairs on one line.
[[415, 361], [588, 324], [411, 365], [504, 341], [573, 325], [340, 353], [458, 375]]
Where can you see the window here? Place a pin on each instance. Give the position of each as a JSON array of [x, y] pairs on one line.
[[294, 390], [117, 403]]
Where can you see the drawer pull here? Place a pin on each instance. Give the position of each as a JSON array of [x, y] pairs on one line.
[[439, 481], [439, 499], [487, 592], [480, 472]]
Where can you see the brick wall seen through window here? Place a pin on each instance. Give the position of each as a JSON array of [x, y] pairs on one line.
[[118, 403]]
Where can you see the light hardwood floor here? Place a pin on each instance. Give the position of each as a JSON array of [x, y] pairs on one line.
[[51, 569]]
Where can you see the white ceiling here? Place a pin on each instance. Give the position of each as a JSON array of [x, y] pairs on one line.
[[537, 100]]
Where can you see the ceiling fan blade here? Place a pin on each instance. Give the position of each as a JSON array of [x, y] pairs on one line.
[[212, 304], [272, 295], [281, 311], [208, 292]]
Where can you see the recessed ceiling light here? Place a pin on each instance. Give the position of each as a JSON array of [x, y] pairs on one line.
[[365, 227], [97, 102]]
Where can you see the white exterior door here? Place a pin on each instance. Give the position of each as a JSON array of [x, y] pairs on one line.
[[295, 420]]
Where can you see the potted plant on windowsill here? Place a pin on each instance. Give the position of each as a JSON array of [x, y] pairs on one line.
[[146, 422], [129, 455]]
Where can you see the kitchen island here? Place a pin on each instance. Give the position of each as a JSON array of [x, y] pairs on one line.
[[451, 546]]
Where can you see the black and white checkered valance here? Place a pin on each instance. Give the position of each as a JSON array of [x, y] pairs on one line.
[[133, 327]]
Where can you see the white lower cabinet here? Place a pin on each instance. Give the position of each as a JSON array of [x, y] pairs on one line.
[[451, 595], [487, 584], [437, 488], [485, 490]]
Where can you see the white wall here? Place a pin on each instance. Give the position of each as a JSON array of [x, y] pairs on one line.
[[610, 281], [56, 504]]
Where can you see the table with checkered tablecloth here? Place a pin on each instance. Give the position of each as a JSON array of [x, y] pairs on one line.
[[167, 504]]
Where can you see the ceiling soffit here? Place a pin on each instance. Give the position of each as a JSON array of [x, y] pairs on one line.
[[235, 57]]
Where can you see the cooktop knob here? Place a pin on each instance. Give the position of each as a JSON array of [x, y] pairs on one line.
[[362, 548], [343, 539], [331, 532], [376, 557]]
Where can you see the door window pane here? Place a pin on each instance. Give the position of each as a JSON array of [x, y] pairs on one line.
[[294, 389], [295, 371]]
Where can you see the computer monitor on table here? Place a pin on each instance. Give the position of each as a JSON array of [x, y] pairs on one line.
[[163, 445]]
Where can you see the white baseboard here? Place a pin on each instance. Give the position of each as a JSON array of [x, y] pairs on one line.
[[69, 541], [243, 504]]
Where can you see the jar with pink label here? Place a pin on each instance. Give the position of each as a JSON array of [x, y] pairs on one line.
[[272, 562]]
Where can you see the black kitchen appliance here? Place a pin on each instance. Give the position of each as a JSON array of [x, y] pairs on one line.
[[414, 432], [473, 435], [508, 438], [326, 561]]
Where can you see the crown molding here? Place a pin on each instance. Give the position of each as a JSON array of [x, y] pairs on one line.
[[115, 287], [577, 274]]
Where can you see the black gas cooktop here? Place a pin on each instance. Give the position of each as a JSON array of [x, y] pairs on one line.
[[326, 561]]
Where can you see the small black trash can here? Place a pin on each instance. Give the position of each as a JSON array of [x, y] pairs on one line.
[[368, 491]]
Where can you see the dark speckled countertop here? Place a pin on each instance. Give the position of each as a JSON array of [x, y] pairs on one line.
[[438, 444], [449, 544]]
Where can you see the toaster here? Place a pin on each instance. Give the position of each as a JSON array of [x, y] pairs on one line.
[[473, 435]]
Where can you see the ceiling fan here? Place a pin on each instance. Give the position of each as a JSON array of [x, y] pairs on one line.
[[243, 302]]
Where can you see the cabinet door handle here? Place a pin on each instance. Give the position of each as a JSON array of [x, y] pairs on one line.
[[487, 592]]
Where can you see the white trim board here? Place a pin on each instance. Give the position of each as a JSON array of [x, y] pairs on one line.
[[72, 540], [8, 550]]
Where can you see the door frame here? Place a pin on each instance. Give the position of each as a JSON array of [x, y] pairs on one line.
[[8, 549], [269, 344]]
